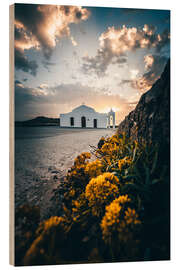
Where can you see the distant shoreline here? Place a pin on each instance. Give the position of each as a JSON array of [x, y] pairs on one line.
[[38, 122], [42, 121]]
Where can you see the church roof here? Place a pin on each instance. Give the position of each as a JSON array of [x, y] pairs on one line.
[[83, 108]]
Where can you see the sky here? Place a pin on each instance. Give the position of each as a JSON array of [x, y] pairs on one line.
[[105, 58]]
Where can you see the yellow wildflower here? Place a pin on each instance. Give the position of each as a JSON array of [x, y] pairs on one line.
[[131, 216], [114, 139], [94, 168], [100, 191], [80, 159], [47, 233], [119, 219], [72, 192], [50, 224]]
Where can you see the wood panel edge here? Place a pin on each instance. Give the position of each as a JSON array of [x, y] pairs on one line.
[[11, 138]]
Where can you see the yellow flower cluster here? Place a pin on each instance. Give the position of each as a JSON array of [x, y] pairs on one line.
[[114, 139], [119, 219], [49, 224], [72, 192], [123, 199], [77, 171], [109, 148], [100, 191], [47, 233], [131, 217], [94, 168], [80, 159]]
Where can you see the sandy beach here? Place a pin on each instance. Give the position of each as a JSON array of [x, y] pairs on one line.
[[43, 156]]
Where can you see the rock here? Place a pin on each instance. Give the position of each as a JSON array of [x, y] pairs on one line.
[[150, 120]]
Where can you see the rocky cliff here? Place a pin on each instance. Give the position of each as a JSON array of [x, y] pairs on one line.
[[150, 120]]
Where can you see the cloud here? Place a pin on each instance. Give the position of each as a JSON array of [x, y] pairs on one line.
[[123, 82], [46, 24], [154, 65], [97, 64], [43, 86], [121, 60], [149, 61], [47, 64], [27, 94], [163, 40], [22, 62], [24, 40], [134, 73], [74, 77], [62, 98], [116, 42], [40, 27]]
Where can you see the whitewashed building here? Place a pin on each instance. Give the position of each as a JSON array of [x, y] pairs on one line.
[[86, 117]]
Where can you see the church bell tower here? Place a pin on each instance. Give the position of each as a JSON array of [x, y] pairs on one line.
[[111, 119]]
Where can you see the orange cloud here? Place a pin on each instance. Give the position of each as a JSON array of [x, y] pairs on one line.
[[154, 64], [114, 43], [143, 84], [40, 27], [46, 25], [149, 60]]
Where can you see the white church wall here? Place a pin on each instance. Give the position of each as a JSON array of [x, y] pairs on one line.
[[102, 119], [66, 122]]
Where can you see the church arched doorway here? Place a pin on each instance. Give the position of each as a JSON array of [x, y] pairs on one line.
[[95, 123], [72, 121], [83, 121]]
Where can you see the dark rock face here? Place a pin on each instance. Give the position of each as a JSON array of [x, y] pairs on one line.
[[150, 120]]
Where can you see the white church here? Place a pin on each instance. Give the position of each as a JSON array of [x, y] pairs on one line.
[[86, 117]]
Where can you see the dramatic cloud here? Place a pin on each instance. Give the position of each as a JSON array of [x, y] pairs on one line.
[[47, 64], [27, 94], [123, 82], [46, 100], [149, 61], [40, 27], [154, 64], [22, 62], [115, 43], [121, 60], [44, 25]]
